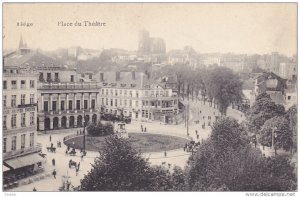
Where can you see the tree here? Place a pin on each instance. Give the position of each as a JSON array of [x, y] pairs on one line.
[[262, 110], [178, 179], [278, 128], [228, 162], [100, 129], [121, 168], [224, 86]]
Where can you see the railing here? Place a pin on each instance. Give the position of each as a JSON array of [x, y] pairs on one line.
[[65, 86], [21, 152]]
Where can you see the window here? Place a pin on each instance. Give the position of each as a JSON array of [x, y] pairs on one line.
[[13, 142], [289, 97], [125, 92], [13, 100], [49, 77], [4, 101], [111, 102], [4, 145], [72, 78], [23, 141], [85, 105], [31, 83], [77, 104], [23, 99], [116, 102], [102, 91], [31, 140], [23, 120], [130, 93], [4, 85], [136, 103], [136, 115], [102, 101], [13, 84], [106, 102], [23, 84], [130, 114], [41, 77], [137, 94], [130, 103], [82, 75], [70, 105], [120, 92], [90, 76], [62, 105], [116, 92], [4, 122], [31, 98], [31, 118], [53, 105], [56, 77], [106, 91], [111, 92], [46, 106], [125, 103], [146, 93], [93, 104]]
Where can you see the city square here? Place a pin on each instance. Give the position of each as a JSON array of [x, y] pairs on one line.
[[155, 108]]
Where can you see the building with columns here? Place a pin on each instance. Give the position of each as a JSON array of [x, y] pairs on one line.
[[64, 101]]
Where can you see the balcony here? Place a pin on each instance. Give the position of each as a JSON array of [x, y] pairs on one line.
[[20, 152], [27, 105], [69, 86]]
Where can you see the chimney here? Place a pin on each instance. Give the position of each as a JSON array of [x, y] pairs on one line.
[[133, 75], [101, 77], [117, 76]]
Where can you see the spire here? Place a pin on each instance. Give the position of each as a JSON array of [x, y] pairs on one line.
[[21, 42]]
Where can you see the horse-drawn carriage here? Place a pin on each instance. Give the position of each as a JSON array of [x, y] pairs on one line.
[[72, 152], [51, 149]]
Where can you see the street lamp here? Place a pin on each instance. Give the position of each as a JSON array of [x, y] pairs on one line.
[[83, 131]]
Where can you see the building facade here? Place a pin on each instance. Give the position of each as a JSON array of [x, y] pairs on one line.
[[65, 102], [20, 148], [135, 95]]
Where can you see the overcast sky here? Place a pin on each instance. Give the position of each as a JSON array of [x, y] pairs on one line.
[[238, 28]]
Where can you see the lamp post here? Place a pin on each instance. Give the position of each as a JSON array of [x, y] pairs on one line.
[[83, 131]]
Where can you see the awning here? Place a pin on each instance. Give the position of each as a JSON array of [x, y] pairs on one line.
[[4, 168], [23, 161]]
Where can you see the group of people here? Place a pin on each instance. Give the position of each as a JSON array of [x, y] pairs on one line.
[[143, 129], [77, 166]]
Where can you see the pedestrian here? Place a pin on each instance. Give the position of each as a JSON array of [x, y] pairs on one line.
[[184, 148], [54, 173], [66, 153], [77, 169], [165, 153], [34, 189], [50, 138], [70, 163], [78, 166], [51, 145], [196, 132], [82, 157], [145, 130], [200, 111], [53, 162], [197, 137], [68, 148]]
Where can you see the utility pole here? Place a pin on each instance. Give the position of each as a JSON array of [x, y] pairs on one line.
[[273, 140], [188, 111]]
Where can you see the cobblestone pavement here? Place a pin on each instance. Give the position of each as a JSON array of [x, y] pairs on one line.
[[175, 157]]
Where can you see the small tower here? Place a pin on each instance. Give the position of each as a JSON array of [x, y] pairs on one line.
[[23, 46]]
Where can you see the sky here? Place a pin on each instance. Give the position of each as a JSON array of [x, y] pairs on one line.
[[246, 28]]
